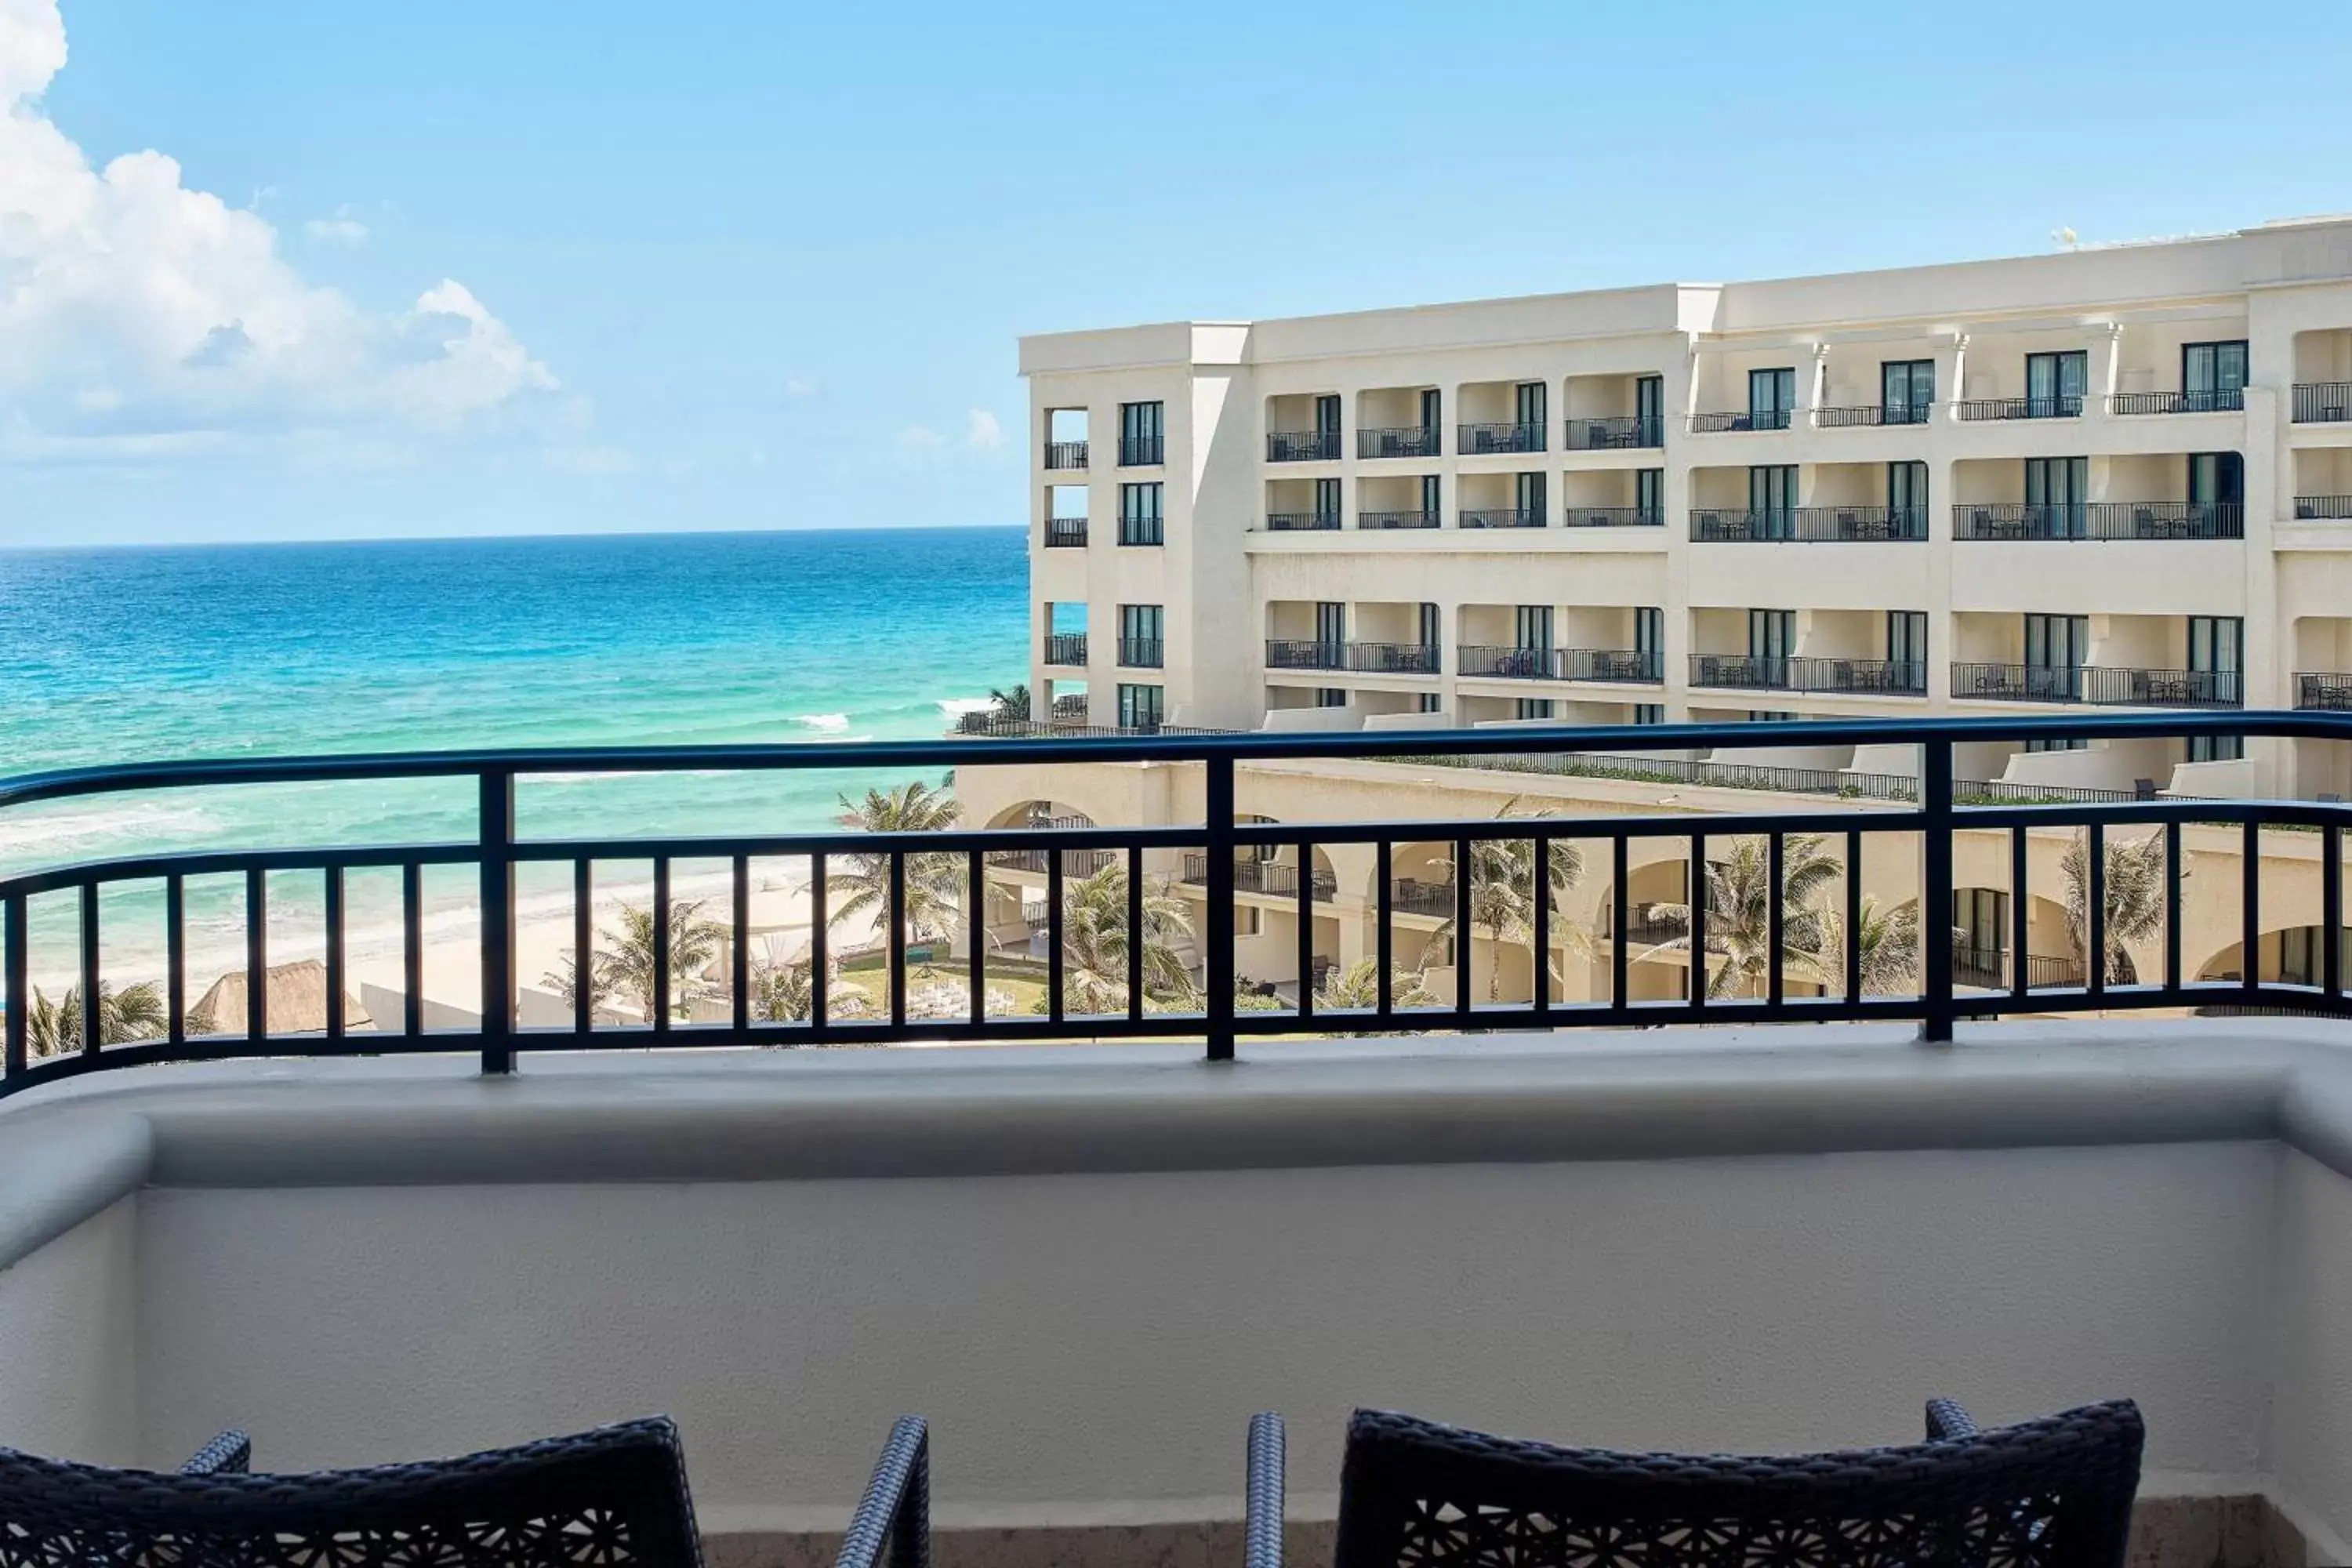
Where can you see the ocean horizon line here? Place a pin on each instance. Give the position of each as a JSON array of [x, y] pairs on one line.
[[639, 534]]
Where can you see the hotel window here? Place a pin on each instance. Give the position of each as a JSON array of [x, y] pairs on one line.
[[1650, 410], [2213, 375], [1531, 498], [1534, 627], [1981, 926], [1432, 405], [1330, 697], [1139, 706], [1650, 494], [1331, 625], [1906, 646], [2056, 489], [1649, 713], [1649, 640], [1906, 497], [1772, 500], [1432, 627], [1139, 636], [1772, 395], [1535, 708], [1430, 703], [1139, 520], [2054, 383], [1907, 390], [1771, 632], [2217, 662], [1326, 502], [1771, 716], [1429, 498], [2217, 479], [1529, 403], [1142, 435]]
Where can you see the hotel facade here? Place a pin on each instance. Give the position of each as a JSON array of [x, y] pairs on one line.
[[2107, 478]]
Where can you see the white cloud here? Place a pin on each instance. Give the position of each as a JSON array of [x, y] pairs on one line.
[[141, 316], [341, 230], [984, 433], [800, 386]]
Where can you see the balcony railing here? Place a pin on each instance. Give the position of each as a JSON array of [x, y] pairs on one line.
[[2100, 685], [1397, 520], [2067, 407], [1066, 648], [1876, 676], [1140, 653], [1501, 517], [2323, 402], [2327, 691], [1612, 517], [1301, 521], [1363, 658], [1873, 414], [1275, 879], [1740, 671], [1741, 419], [2108, 519], [1400, 441], [1302, 446], [1065, 454], [1478, 440], [1614, 433], [1646, 665], [1141, 451], [1065, 533], [1809, 524], [2231, 400], [1990, 968], [494, 859], [2323, 508]]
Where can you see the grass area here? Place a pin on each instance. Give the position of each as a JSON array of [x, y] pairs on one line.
[[1024, 983]]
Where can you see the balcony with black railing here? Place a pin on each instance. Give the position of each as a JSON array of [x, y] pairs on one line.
[[1872, 415], [1612, 517], [2069, 406], [1361, 657], [2323, 508], [1302, 446], [2222, 400], [2323, 402], [2098, 521], [1066, 648], [1400, 441], [1638, 666], [1065, 533], [1741, 419], [1859, 677], [1993, 969], [2111, 686], [1065, 454], [1301, 521], [1616, 433], [2325, 692], [1740, 671], [1275, 878], [1141, 653], [1809, 524], [1500, 517], [1497, 438], [1141, 451], [1383, 520]]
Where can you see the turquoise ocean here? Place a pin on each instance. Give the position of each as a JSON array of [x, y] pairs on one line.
[[132, 654]]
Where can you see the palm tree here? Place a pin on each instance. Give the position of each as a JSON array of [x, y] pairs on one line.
[[1094, 945], [1358, 986], [2135, 901], [932, 896], [627, 967], [135, 1013], [786, 993], [1502, 893], [1008, 707], [1886, 946], [1738, 911]]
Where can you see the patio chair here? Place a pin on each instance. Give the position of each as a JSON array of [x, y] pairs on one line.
[[616, 1494], [2054, 1492]]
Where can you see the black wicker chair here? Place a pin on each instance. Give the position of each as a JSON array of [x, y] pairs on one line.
[[597, 1499], [2050, 1494]]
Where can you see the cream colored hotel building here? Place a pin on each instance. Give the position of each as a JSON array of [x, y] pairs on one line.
[[2108, 477]]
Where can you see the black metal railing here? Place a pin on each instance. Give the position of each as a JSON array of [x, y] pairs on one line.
[[1624, 664], [2231, 400], [1990, 969], [1744, 672], [1500, 517], [1065, 533], [1508, 435], [2067, 407], [1066, 648], [2323, 402], [1141, 653], [1880, 677], [1397, 520], [1741, 419], [2113, 686], [1612, 517], [2099, 520], [953, 866], [1065, 454], [1400, 441], [1614, 432], [1302, 446], [1873, 414], [1301, 521], [1364, 658], [1141, 451], [2328, 691], [1809, 524], [1275, 879], [1143, 531], [2321, 508]]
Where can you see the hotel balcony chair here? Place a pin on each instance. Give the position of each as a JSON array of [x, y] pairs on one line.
[[616, 1494], [2054, 1492]]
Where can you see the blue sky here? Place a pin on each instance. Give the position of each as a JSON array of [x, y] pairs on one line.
[[762, 266]]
